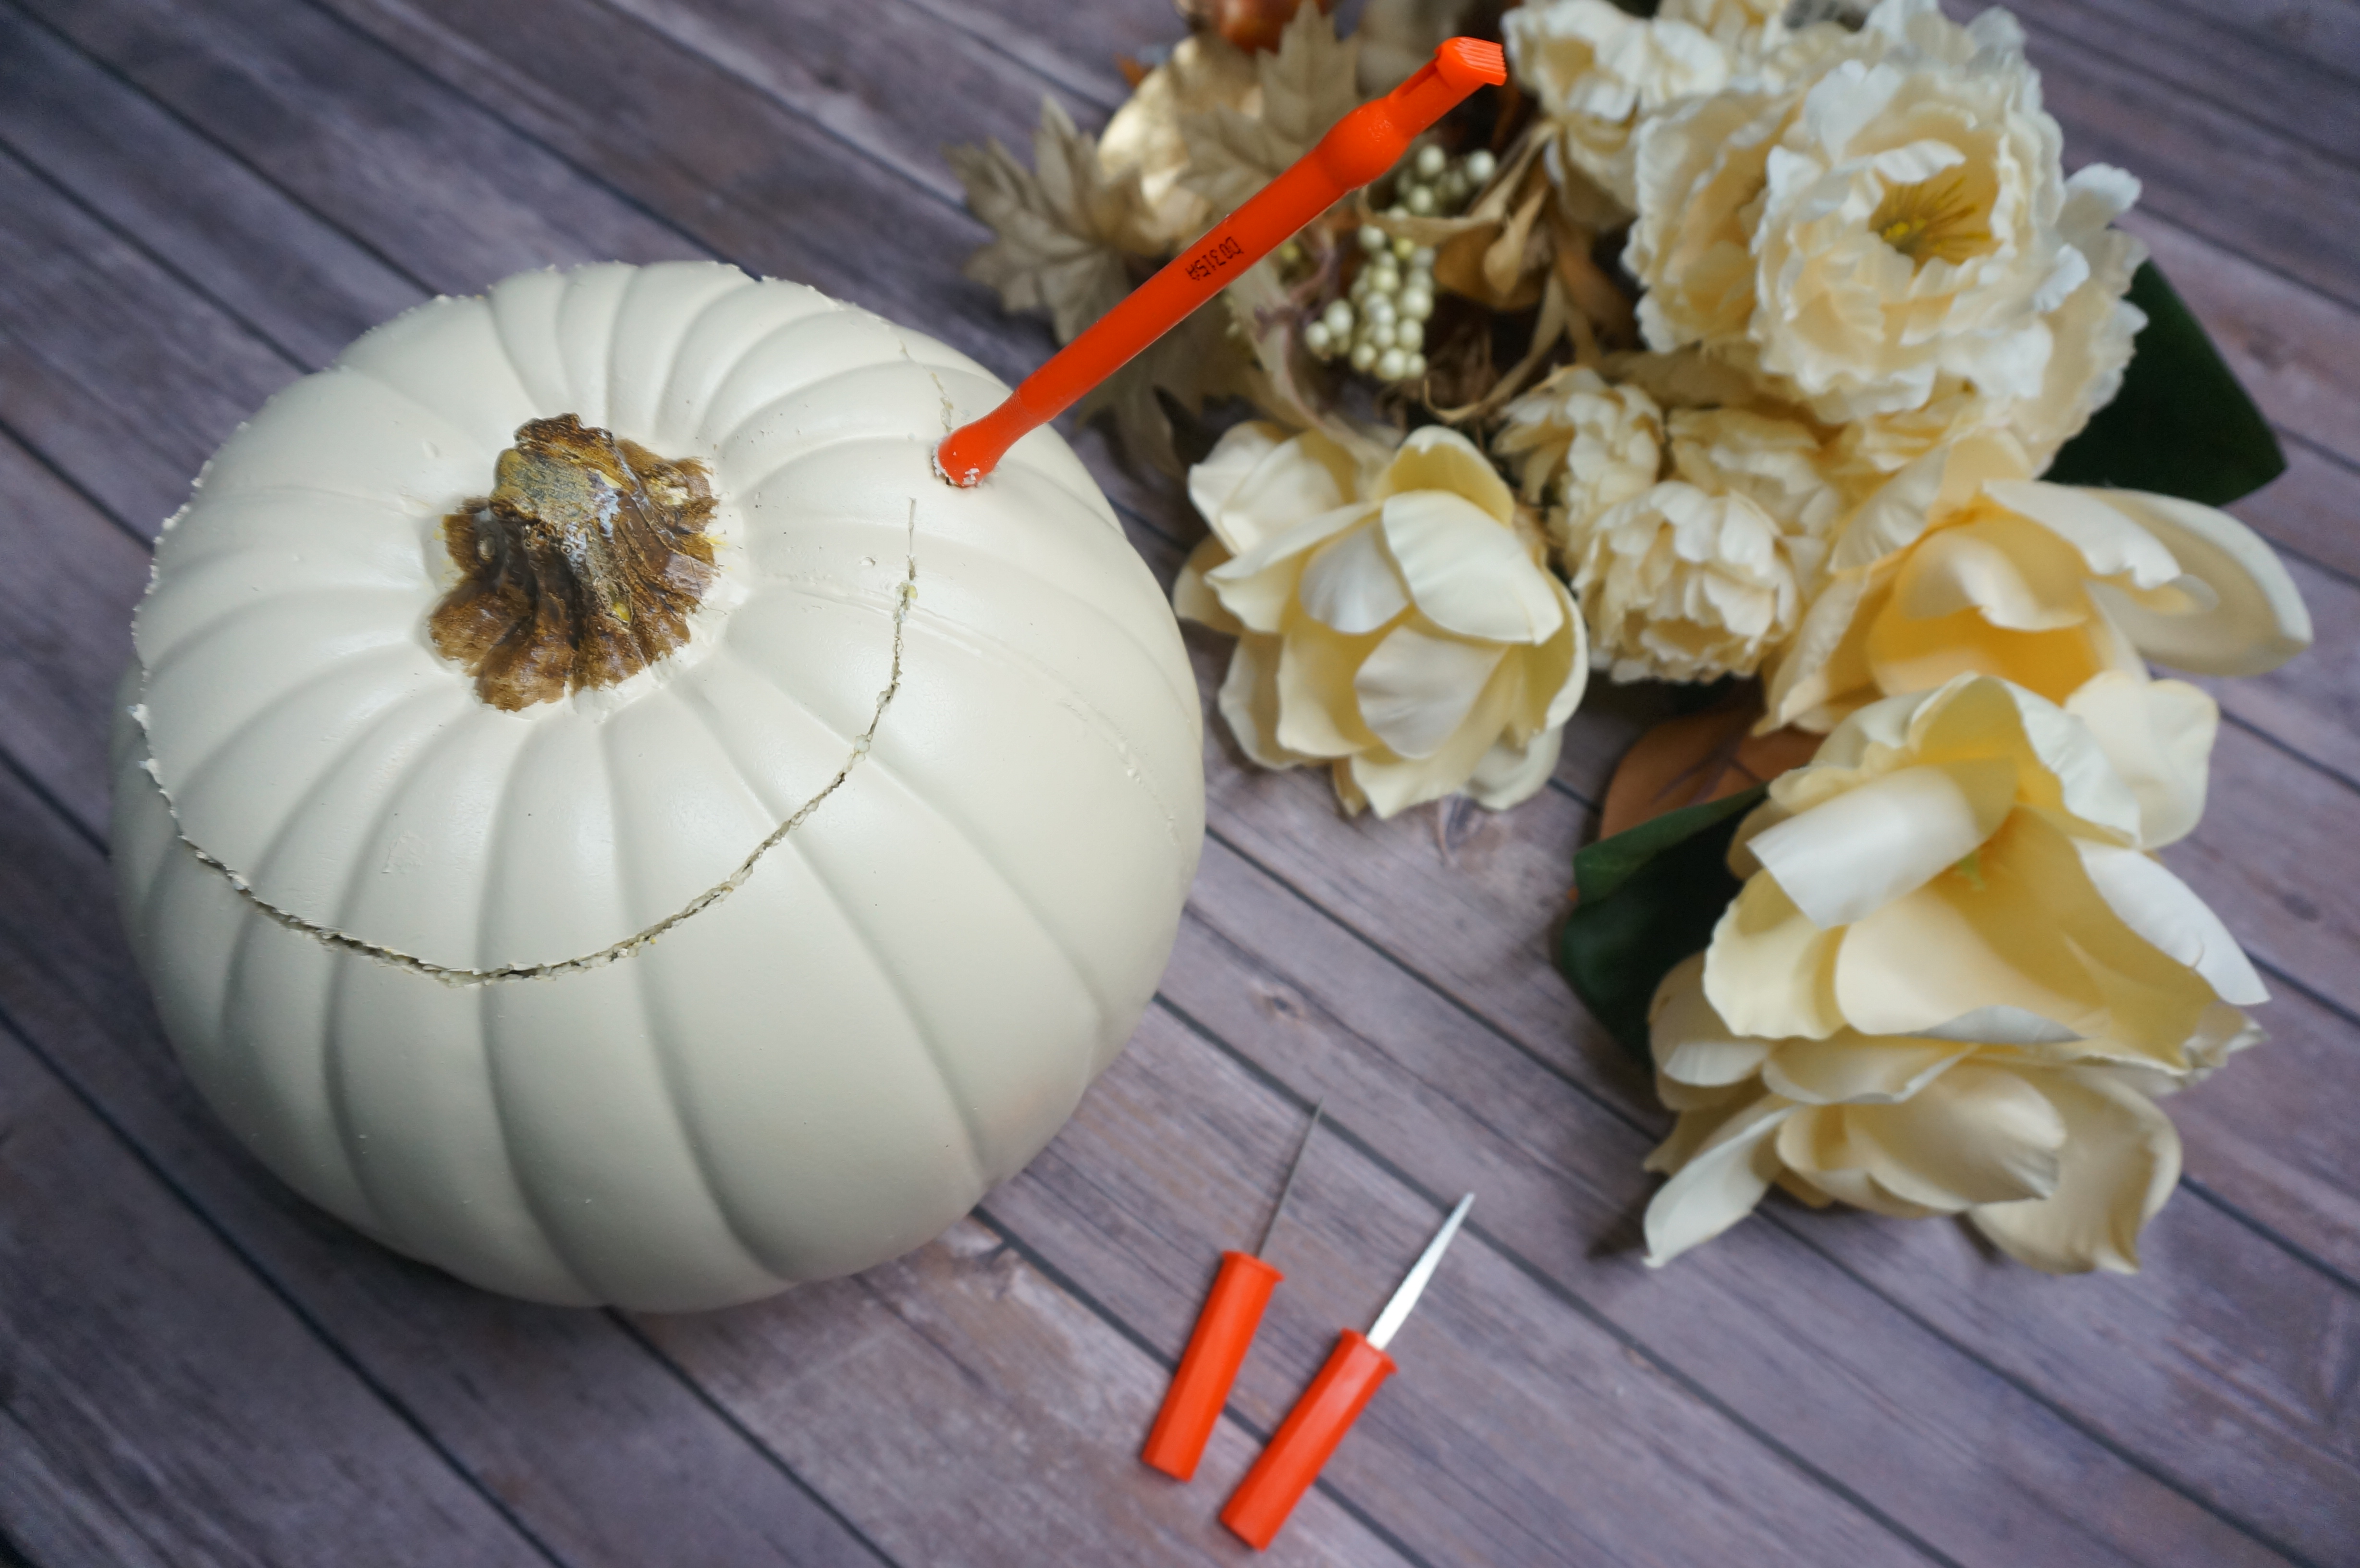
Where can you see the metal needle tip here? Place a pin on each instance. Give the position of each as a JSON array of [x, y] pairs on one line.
[[1292, 1170], [1413, 1286]]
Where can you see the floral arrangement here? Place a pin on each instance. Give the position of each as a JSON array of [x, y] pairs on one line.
[[1761, 347]]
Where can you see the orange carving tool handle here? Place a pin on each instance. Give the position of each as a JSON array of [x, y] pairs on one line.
[[1209, 1366], [1309, 1434], [1361, 145]]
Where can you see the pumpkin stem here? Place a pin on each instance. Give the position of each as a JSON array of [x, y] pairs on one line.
[[582, 566]]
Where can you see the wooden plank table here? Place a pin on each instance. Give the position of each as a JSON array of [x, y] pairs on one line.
[[201, 200]]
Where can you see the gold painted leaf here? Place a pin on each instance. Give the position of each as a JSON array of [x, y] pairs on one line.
[[1308, 84], [1059, 225], [1204, 72]]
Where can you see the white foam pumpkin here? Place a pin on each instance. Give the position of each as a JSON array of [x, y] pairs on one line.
[[666, 985]]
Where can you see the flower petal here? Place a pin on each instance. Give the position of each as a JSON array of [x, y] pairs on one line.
[[2167, 913], [1238, 453], [2121, 1162], [1957, 944], [1978, 1134], [2259, 621], [1350, 583], [1510, 774], [1468, 573], [2014, 575], [1249, 701], [2158, 736], [1854, 1068], [1690, 1043], [1852, 854], [1254, 485], [1258, 585], [1416, 689], [2110, 538], [1316, 713], [1770, 972], [1720, 1183], [1193, 598], [1435, 457]]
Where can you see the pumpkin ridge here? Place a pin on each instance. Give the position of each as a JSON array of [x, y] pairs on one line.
[[656, 1042], [721, 443], [714, 377], [922, 801], [344, 941], [984, 1177]]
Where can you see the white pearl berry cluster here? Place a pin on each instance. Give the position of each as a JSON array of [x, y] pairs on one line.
[[1437, 185], [1381, 328]]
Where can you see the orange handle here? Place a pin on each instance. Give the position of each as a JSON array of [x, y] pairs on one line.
[[1215, 1350], [1361, 145], [1310, 1434]]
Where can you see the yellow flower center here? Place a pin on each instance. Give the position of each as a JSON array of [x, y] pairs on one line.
[[1934, 218]]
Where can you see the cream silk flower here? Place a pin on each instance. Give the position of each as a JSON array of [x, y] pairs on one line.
[[1962, 564], [1598, 73], [1955, 976], [1397, 625], [1879, 224], [1703, 573], [1582, 442]]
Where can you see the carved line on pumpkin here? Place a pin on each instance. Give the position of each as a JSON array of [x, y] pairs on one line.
[[330, 937]]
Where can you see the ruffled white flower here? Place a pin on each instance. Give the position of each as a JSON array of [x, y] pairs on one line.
[[1397, 625], [1778, 464], [1582, 442], [1704, 574], [1745, 30], [1962, 564], [1598, 73], [1882, 225], [1954, 975]]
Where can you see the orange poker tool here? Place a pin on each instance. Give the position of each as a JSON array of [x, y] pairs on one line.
[[1330, 1407], [1225, 1328], [1361, 145]]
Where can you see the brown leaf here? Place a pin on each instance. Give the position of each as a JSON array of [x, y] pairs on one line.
[[1699, 758]]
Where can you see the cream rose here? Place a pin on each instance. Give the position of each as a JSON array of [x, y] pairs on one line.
[[1960, 563], [1397, 625], [1880, 223], [1598, 73], [1954, 975], [2060, 1162]]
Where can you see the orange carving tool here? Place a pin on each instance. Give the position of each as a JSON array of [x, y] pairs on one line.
[[1361, 145], [1217, 1349], [1330, 1407]]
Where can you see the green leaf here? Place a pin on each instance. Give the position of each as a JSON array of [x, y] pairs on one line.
[[1649, 898], [2181, 425]]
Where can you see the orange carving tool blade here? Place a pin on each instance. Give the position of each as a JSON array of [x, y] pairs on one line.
[[1225, 1328], [1361, 145], [1355, 1368]]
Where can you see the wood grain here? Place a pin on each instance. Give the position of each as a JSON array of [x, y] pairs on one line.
[[201, 201]]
